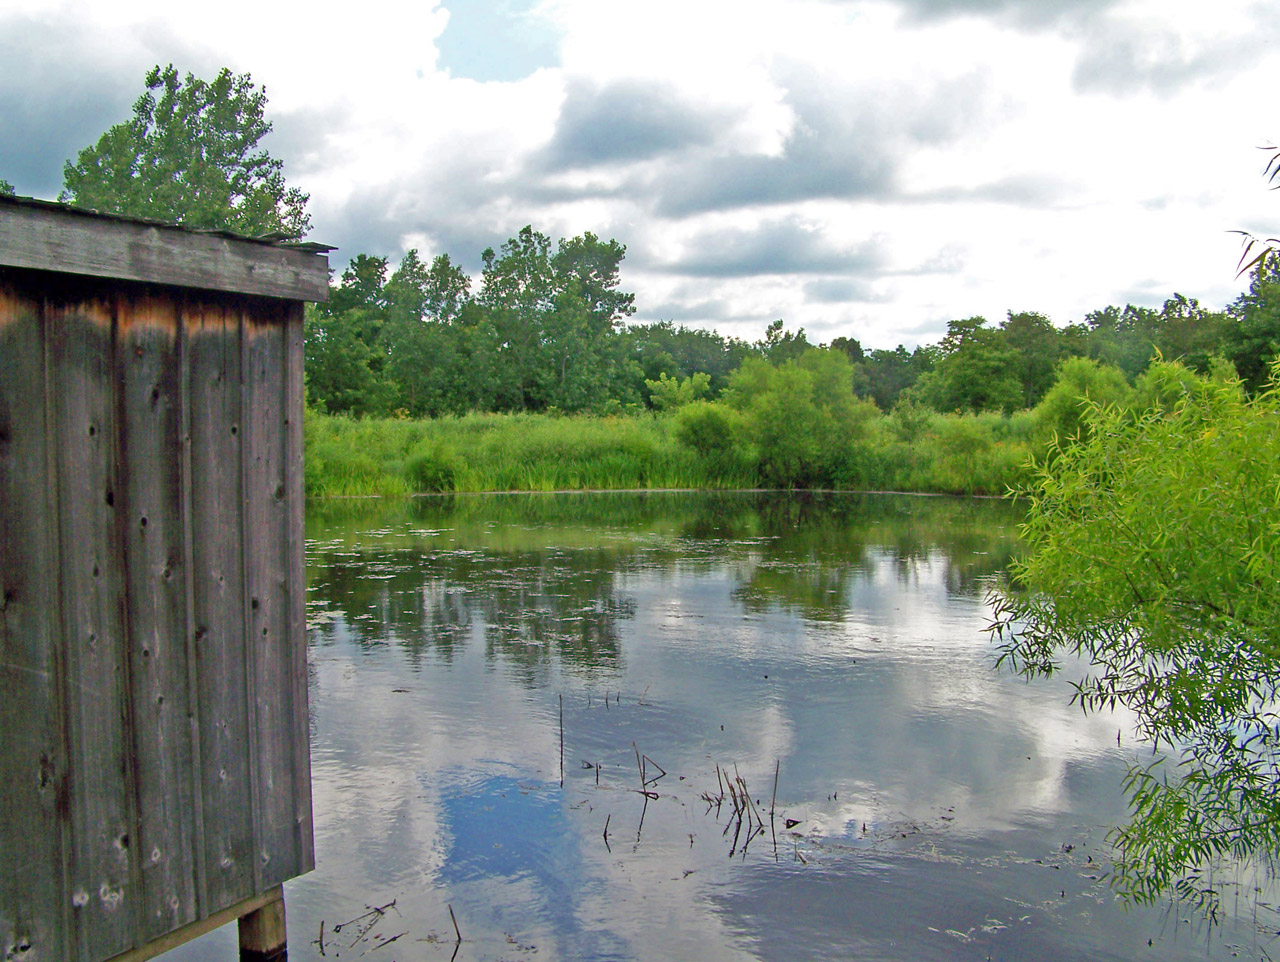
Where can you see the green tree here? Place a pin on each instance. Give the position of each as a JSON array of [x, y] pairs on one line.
[[1082, 383], [1037, 348], [591, 267], [850, 347], [346, 355], [662, 348], [976, 371], [668, 393], [1123, 336], [190, 155], [801, 418], [883, 375], [555, 319], [1153, 551], [1253, 341], [1190, 333], [6, 188], [780, 345], [429, 354]]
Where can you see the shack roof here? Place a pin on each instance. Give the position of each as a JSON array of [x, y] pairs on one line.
[[47, 236]]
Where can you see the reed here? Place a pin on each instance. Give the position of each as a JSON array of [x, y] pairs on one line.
[[926, 453]]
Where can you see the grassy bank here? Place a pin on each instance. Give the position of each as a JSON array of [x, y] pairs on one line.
[[905, 451]]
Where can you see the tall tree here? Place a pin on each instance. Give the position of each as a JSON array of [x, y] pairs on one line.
[[1037, 346], [1253, 342], [593, 266], [190, 155], [883, 375], [346, 354], [976, 372]]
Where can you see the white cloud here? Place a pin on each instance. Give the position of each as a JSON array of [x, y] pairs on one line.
[[1073, 156]]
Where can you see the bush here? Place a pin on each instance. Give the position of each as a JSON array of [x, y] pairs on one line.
[[1081, 382], [1153, 550], [432, 466], [707, 428]]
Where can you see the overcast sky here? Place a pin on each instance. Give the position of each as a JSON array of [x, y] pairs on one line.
[[867, 168]]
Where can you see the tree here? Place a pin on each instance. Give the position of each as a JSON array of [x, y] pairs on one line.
[[1253, 342], [1153, 551], [883, 374], [780, 345], [592, 265], [555, 318], [6, 188], [800, 417], [976, 372], [346, 356], [190, 155], [662, 348], [669, 393], [850, 347], [1037, 346], [1081, 383]]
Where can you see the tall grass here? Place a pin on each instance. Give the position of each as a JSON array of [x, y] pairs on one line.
[[501, 452], [904, 451]]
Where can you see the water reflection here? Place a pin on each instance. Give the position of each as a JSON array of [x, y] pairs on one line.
[[926, 807], [537, 577]]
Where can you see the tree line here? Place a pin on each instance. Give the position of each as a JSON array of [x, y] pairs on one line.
[[546, 327], [546, 330]]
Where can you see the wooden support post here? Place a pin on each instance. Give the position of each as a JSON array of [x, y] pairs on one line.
[[262, 933]]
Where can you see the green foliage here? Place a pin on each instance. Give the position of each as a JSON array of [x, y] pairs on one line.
[[1153, 551], [909, 420], [884, 375], [801, 419], [707, 428], [669, 393], [780, 345], [6, 188], [1166, 385], [432, 466], [1037, 348], [342, 361], [189, 155], [702, 445], [1081, 382], [681, 352], [1253, 342], [977, 371]]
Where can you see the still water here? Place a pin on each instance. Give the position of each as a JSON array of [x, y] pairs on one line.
[[699, 726]]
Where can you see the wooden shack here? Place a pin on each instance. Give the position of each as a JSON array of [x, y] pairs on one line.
[[153, 675]]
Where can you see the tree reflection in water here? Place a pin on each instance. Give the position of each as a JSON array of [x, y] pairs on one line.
[[535, 578]]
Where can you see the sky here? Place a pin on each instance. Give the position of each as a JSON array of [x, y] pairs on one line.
[[858, 168]]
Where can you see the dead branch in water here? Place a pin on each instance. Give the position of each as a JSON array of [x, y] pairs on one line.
[[456, 930]]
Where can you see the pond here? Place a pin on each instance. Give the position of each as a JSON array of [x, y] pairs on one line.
[[715, 726]]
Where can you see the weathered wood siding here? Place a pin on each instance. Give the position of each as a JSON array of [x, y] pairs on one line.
[[153, 714]]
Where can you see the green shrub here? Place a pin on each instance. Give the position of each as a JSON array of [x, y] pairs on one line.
[[432, 466], [706, 427]]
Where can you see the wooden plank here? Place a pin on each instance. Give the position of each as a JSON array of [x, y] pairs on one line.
[[77, 242], [151, 439], [189, 613], [217, 580], [266, 565], [200, 927], [263, 937], [101, 872], [295, 520], [33, 923]]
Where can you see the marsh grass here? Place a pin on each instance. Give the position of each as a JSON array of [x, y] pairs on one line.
[[922, 452]]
